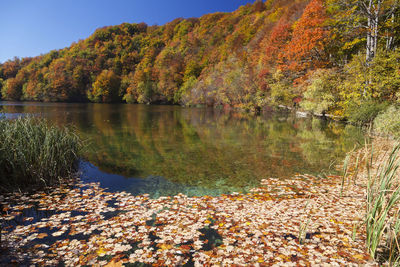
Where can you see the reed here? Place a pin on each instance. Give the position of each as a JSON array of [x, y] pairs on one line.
[[383, 195], [345, 172], [33, 152], [304, 225]]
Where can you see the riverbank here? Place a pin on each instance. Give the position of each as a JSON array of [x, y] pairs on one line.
[[305, 220]]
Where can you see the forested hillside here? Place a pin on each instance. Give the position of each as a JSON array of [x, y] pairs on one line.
[[334, 56]]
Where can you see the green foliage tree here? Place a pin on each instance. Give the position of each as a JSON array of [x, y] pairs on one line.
[[384, 73], [280, 92], [379, 80], [183, 95], [322, 94], [106, 87]]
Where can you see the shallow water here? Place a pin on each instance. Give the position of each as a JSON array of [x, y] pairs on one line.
[[166, 150]]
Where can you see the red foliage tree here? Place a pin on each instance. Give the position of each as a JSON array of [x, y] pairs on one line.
[[278, 38]]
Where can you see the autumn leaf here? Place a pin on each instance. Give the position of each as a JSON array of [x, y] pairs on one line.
[[42, 235]]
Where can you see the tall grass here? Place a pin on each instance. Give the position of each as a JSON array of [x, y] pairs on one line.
[[382, 209], [32, 152]]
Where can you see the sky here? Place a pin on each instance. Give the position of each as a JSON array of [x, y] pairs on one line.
[[33, 27]]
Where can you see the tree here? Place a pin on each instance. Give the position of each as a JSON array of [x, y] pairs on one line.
[[375, 11], [142, 87], [307, 46], [321, 94], [280, 89], [169, 67], [371, 9], [105, 88], [12, 90], [10, 68], [384, 75], [365, 20], [1, 86], [277, 39], [60, 81]]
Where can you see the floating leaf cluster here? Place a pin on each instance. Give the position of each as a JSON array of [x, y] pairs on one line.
[[302, 221]]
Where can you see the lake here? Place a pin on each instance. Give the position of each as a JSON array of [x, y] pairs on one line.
[[166, 150]]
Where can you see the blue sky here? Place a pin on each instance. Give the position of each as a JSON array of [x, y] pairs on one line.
[[33, 27]]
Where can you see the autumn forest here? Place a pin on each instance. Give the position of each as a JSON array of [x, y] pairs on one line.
[[329, 55]]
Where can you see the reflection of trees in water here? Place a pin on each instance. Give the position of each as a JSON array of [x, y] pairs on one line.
[[325, 143], [209, 146], [201, 146]]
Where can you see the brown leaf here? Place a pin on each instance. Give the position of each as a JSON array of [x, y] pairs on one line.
[[42, 235]]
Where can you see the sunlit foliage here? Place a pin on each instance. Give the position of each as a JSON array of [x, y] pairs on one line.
[[263, 53], [106, 87]]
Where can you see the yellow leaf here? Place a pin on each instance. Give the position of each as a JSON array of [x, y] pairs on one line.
[[100, 252], [165, 246], [337, 222], [358, 256], [114, 264]]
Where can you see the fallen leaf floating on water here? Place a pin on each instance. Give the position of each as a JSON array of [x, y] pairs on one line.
[[42, 235], [85, 225]]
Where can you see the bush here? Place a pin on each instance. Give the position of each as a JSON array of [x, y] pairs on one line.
[[366, 111], [34, 153], [281, 92], [321, 94], [388, 122]]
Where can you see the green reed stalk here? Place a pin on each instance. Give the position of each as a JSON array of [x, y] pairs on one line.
[[303, 226], [345, 170], [382, 196], [34, 152]]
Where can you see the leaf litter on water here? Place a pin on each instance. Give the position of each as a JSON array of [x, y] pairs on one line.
[[86, 225]]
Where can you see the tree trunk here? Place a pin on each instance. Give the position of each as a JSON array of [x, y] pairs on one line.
[[372, 11], [368, 55], [389, 36], [376, 25]]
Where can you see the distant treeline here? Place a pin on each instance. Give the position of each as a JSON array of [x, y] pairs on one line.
[[328, 55]]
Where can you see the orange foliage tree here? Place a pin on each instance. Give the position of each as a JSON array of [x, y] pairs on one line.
[[278, 38], [307, 46], [59, 81], [12, 89]]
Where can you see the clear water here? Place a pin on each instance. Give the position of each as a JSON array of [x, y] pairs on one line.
[[165, 150]]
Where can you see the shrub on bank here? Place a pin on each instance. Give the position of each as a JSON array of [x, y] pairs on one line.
[[388, 122], [366, 111], [321, 94], [32, 152]]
